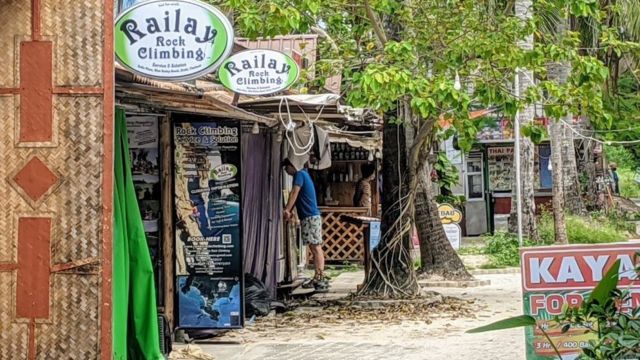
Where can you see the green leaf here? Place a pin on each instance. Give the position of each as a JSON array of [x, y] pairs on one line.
[[609, 283], [589, 352], [628, 341], [623, 321], [510, 323]]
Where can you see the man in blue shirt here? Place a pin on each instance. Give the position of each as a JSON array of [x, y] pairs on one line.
[[303, 196]]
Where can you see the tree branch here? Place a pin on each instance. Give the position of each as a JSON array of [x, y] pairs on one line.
[[327, 37], [375, 23]]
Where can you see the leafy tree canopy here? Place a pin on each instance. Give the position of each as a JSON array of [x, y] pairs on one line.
[[437, 42]]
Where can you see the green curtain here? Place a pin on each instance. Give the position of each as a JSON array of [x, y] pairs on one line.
[[135, 317]]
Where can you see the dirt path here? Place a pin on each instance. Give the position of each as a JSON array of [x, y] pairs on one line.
[[503, 298], [440, 335]]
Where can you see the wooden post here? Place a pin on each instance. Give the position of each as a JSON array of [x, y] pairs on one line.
[[168, 243], [375, 196]]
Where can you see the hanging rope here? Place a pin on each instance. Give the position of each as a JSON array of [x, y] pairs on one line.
[[290, 128]]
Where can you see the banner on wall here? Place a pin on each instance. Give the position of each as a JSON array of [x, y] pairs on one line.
[[209, 281], [557, 276], [143, 132]]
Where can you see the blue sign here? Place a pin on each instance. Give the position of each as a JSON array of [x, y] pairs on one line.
[[374, 234], [208, 220]]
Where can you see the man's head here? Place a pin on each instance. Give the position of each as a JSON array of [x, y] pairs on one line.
[[288, 167]]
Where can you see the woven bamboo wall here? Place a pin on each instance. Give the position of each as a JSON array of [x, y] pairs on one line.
[[56, 112]]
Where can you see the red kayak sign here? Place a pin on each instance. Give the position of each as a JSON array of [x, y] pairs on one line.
[[557, 277], [258, 72], [175, 40], [576, 267]]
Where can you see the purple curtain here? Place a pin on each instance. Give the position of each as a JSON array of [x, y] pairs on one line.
[[261, 207]]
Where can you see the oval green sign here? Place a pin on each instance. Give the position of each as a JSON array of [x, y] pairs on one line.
[[258, 72], [173, 40], [223, 172]]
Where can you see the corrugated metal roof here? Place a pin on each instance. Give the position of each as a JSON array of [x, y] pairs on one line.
[[203, 97]]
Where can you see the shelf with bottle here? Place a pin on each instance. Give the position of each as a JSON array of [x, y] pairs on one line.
[[345, 152], [350, 161], [346, 173], [341, 177]]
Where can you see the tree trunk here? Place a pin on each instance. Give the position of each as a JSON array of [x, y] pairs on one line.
[[558, 193], [527, 165], [391, 273], [524, 11], [559, 72], [437, 256], [571, 181], [587, 169]]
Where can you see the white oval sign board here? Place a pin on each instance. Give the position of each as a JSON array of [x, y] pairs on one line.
[[174, 40], [258, 72]]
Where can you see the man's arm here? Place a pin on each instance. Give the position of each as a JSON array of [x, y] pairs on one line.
[[293, 196], [366, 195]]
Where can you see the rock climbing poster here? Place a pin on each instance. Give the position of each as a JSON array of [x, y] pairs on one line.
[[209, 269]]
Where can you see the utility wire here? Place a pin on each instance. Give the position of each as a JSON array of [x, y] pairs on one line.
[[612, 130], [604, 142]]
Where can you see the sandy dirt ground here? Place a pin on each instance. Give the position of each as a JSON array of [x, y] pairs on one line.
[[403, 332]]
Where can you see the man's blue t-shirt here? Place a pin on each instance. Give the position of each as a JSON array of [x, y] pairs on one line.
[[306, 204]]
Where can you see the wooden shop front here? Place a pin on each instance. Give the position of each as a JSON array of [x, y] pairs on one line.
[[336, 186]]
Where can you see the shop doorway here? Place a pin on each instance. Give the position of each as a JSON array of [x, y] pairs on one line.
[[476, 206]]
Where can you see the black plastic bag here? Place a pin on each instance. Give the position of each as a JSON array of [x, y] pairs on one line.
[[256, 297]]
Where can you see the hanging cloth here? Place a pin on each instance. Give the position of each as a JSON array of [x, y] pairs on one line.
[[321, 158], [135, 317], [318, 154]]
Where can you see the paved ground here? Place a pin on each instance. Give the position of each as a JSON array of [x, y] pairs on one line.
[[440, 337]]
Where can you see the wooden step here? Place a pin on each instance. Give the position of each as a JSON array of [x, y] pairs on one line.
[[292, 285], [300, 291]]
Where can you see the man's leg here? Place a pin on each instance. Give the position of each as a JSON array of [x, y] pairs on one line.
[[318, 259], [314, 238]]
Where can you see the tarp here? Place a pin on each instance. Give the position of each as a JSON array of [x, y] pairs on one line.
[[135, 317], [262, 207], [303, 99]]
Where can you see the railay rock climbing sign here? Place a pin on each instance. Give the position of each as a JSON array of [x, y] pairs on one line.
[[554, 277], [258, 72], [174, 40]]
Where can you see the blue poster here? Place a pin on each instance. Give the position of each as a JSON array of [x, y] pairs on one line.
[[209, 269], [374, 235]]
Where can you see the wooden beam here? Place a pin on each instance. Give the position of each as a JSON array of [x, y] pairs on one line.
[[176, 103], [167, 216]]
